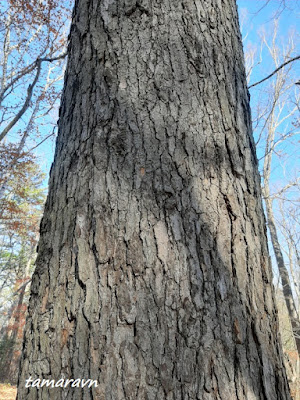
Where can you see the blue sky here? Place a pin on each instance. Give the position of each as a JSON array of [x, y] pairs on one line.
[[261, 13], [255, 15]]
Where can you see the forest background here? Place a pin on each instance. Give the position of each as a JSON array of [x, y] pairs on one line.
[[33, 49]]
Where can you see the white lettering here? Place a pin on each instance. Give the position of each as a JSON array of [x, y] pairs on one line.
[[36, 383], [27, 382], [76, 383], [63, 383], [84, 382], [93, 383], [60, 383], [47, 382], [68, 381]]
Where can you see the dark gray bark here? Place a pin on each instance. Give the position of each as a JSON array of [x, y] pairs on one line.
[[153, 274]]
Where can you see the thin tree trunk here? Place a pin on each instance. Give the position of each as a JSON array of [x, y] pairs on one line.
[[12, 330], [283, 272], [10, 356], [153, 274]]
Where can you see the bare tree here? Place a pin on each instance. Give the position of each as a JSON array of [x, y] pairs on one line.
[[33, 35], [273, 130]]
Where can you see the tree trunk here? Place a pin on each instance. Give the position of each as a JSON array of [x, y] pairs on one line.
[[283, 271], [11, 340], [153, 275], [11, 332]]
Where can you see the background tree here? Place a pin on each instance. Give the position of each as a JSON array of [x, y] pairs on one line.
[[275, 105], [276, 142], [32, 57], [33, 34], [20, 213]]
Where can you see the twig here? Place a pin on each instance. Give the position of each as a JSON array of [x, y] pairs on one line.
[[274, 72]]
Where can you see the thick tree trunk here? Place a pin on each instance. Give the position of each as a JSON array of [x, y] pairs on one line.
[[153, 274]]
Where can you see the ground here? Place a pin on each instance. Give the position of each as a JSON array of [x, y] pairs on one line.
[[7, 392]]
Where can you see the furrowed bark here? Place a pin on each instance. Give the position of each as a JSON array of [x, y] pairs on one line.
[[153, 274]]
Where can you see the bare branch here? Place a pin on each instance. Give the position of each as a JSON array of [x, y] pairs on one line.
[[22, 287], [29, 94], [274, 72], [41, 142], [286, 187]]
